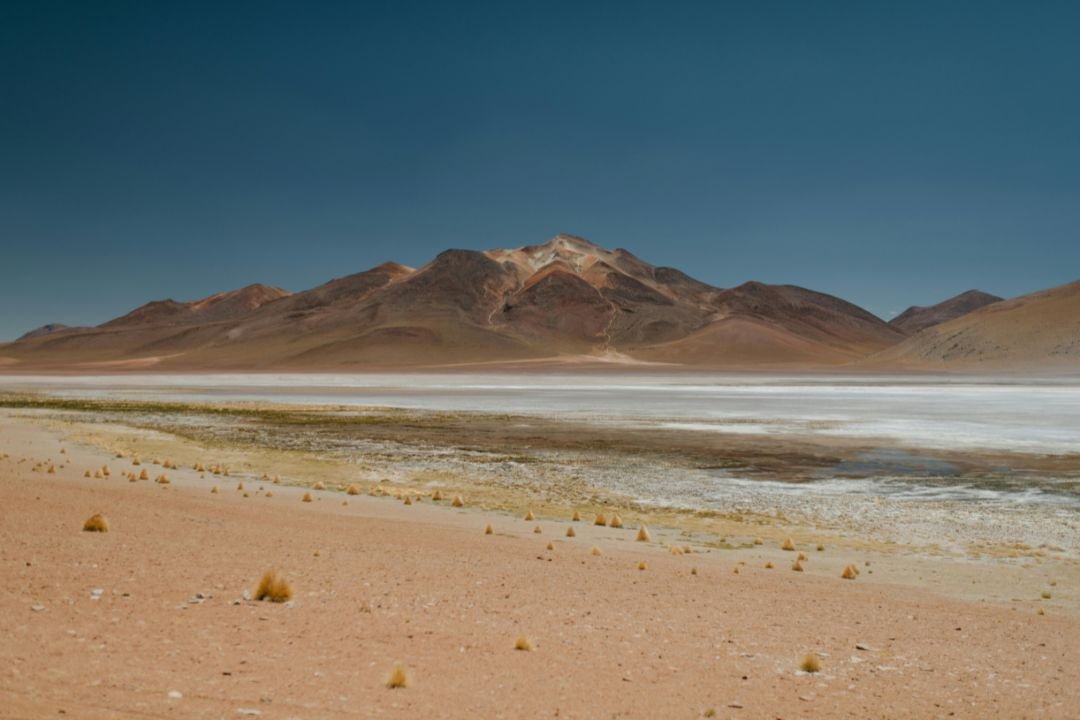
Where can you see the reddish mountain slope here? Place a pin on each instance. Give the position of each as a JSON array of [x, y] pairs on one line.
[[916, 318], [567, 298]]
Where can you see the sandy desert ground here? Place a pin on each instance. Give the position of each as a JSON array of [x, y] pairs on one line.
[[151, 618]]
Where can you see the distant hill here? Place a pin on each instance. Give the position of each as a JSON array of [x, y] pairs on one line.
[[1040, 330], [916, 318], [42, 331], [567, 300]]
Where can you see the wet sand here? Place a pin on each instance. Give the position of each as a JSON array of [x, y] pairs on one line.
[[379, 582]]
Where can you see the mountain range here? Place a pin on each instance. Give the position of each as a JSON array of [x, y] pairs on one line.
[[565, 301]]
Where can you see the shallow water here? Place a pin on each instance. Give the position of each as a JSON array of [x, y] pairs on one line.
[[1036, 416]]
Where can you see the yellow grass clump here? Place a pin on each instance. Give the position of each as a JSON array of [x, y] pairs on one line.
[[693, 571], [86, 474], [488, 530], [596, 551], [398, 678], [1045, 595], [570, 532], [769, 565], [643, 534], [98, 475], [306, 498], [105, 470], [642, 566], [239, 486], [96, 523], [820, 548], [273, 587], [616, 521], [162, 479], [131, 477], [600, 520], [277, 480], [788, 545], [849, 572], [352, 490], [759, 541], [810, 664], [246, 495], [457, 501], [155, 461], [213, 490], [802, 557], [264, 477], [269, 494], [523, 643], [529, 517], [436, 496], [135, 460], [318, 486], [408, 500], [675, 550], [52, 469], [576, 517], [797, 566], [551, 546], [144, 475], [736, 571], [537, 530]]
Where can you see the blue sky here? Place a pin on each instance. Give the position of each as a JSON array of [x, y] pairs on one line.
[[888, 153]]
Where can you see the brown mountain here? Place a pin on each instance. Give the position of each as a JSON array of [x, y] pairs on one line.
[[917, 318], [1040, 330], [567, 299]]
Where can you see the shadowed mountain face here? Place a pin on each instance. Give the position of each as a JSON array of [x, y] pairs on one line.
[[916, 318], [565, 299]]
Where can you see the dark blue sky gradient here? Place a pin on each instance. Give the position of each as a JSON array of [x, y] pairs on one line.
[[891, 153]]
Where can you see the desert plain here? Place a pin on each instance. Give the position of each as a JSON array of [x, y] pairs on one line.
[[962, 606]]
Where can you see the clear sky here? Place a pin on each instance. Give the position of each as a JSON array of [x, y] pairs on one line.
[[891, 153]]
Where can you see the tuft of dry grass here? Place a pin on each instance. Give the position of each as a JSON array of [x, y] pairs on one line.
[[273, 587], [213, 490], [488, 530], [551, 546], [576, 517], [523, 643], [529, 517], [52, 469], [759, 541], [849, 572], [86, 474], [162, 479], [810, 664], [318, 486], [736, 571], [693, 571], [616, 521], [596, 551], [240, 486], [457, 501], [96, 523], [642, 566], [769, 565], [131, 477], [269, 494], [1045, 595], [788, 545], [675, 550], [643, 534], [407, 500], [135, 460], [352, 490], [820, 548], [600, 520], [399, 677], [797, 566], [570, 532], [105, 470], [144, 475], [537, 530], [306, 498], [802, 557], [98, 475]]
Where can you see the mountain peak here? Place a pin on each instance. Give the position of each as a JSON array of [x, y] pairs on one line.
[[917, 318]]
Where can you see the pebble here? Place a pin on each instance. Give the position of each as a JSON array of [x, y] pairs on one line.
[[175, 695], [860, 646], [37, 608], [247, 711]]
